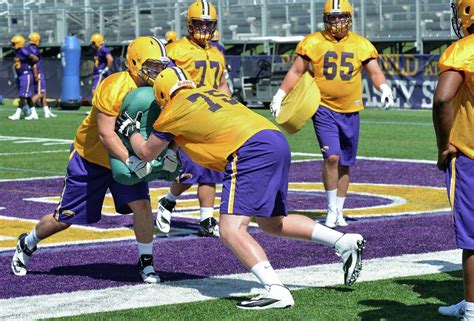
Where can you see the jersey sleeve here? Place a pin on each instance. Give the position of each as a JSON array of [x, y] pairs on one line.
[[457, 57], [304, 47], [367, 50], [109, 96]]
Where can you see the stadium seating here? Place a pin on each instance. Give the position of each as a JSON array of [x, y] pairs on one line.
[[121, 21]]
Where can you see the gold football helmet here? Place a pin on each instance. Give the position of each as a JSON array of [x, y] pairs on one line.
[[463, 17], [146, 58], [97, 40], [202, 21], [171, 36], [337, 17], [18, 41], [34, 38], [168, 81]]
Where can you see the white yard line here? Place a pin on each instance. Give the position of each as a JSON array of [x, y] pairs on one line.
[[36, 152], [419, 161], [129, 297]]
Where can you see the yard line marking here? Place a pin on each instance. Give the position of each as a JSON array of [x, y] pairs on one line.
[[27, 140], [37, 152], [396, 123], [184, 291], [419, 161]]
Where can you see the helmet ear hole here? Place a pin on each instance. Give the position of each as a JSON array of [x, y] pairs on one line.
[[468, 9], [162, 95]]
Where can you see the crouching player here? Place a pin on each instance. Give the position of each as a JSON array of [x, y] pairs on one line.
[[88, 172], [255, 157]]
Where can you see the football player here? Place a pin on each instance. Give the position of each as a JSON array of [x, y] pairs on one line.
[[206, 66], [453, 113], [255, 158], [171, 36], [337, 56], [103, 60], [39, 84], [23, 61], [88, 170]]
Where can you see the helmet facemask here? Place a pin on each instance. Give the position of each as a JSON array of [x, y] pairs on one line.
[[462, 21], [338, 24], [151, 68], [202, 30]]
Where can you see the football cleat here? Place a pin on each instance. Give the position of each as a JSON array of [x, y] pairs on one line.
[[208, 227], [14, 117], [21, 257], [146, 270], [340, 221], [275, 297], [455, 310], [163, 214], [331, 219], [33, 116], [350, 247]]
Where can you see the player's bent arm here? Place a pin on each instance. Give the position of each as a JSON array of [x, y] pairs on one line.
[[148, 150], [108, 137], [448, 86], [223, 86], [110, 60], [297, 69], [32, 59]]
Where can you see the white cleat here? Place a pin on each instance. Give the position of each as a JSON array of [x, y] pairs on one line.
[[455, 310], [49, 115], [275, 297], [147, 272], [163, 215], [32, 116], [350, 247], [21, 257], [14, 117], [331, 219]]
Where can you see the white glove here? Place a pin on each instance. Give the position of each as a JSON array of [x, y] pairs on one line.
[[170, 161], [387, 96], [105, 70], [275, 105], [139, 167]]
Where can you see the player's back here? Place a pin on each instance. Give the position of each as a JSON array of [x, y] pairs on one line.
[[209, 125]]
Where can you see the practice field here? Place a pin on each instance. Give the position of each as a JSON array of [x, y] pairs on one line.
[[397, 200]]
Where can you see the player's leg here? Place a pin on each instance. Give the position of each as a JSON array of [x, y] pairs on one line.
[[468, 275], [44, 98], [135, 198], [327, 132], [29, 93], [80, 203], [24, 90], [207, 194], [342, 188], [167, 204]]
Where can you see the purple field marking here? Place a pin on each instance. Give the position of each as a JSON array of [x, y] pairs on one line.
[[57, 270]]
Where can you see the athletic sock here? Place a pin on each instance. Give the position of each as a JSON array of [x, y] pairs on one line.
[[332, 202], [32, 239], [171, 197], [206, 212], [324, 235], [340, 203], [265, 273], [145, 248]]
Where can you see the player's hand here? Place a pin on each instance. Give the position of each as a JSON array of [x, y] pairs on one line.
[[170, 161], [275, 105], [387, 96], [444, 156], [127, 126], [139, 167], [105, 70]]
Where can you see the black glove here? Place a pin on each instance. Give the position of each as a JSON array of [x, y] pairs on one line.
[[127, 126]]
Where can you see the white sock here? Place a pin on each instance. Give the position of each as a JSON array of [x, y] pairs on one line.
[[332, 202], [33, 110], [145, 248], [32, 239], [469, 313], [325, 235], [46, 109], [265, 273], [340, 203], [206, 212], [171, 197], [17, 112]]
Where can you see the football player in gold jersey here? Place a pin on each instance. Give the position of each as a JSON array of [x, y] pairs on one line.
[[255, 158], [88, 172], [206, 65], [337, 57], [453, 118]]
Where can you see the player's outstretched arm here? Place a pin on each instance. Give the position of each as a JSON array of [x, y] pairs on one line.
[[108, 137], [148, 150], [378, 79]]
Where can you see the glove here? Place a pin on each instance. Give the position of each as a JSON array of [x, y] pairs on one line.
[[170, 161], [387, 96], [127, 126], [105, 70], [275, 105], [139, 167]]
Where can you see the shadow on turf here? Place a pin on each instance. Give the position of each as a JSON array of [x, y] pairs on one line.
[[448, 292]]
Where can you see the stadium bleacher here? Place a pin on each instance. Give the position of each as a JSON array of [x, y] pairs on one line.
[[121, 21]]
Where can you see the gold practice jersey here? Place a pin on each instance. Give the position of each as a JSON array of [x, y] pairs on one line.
[[208, 125], [204, 65], [107, 99], [460, 56], [337, 67]]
